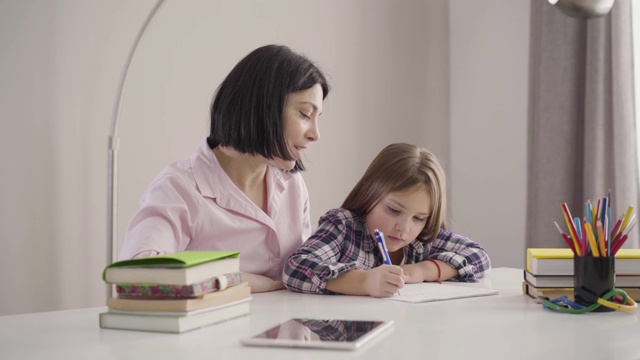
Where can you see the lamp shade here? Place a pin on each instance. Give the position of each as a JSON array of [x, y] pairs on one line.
[[583, 8]]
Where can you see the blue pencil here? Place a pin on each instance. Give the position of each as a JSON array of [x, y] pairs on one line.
[[576, 221], [603, 209]]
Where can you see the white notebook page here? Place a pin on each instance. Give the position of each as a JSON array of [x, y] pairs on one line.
[[425, 292]]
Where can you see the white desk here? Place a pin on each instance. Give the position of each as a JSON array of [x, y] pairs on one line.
[[507, 326]]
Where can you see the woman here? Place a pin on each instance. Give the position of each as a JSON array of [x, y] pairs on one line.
[[241, 190]]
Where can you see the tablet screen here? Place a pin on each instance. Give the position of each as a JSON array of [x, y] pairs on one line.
[[320, 333]]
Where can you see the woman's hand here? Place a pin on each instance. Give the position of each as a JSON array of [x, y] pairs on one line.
[[384, 281], [259, 283]]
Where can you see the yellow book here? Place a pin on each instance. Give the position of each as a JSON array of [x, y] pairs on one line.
[[559, 261], [628, 254]]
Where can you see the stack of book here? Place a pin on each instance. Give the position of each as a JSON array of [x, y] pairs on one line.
[[549, 273], [176, 292]]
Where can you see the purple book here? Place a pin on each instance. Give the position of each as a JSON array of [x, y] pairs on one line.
[[178, 291]]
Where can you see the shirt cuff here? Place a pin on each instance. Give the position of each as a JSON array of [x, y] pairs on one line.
[[466, 271]]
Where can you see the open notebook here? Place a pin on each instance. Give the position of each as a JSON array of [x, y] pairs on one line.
[[426, 292]]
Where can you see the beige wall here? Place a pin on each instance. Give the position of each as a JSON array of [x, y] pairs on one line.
[[635, 23], [59, 68], [399, 69], [489, 95]]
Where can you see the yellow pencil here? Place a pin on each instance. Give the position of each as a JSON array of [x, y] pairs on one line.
[[627, 218], [592, 240]]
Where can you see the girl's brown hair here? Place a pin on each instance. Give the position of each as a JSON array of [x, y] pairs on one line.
[[397, 168]]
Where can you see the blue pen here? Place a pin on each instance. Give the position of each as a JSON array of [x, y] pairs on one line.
[[382, 246]]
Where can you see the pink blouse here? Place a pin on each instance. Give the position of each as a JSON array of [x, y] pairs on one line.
[[193, 205]]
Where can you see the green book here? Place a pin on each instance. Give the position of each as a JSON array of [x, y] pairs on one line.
[[185, 267]]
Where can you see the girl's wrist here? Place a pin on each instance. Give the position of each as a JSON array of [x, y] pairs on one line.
[[436, 271], [277, 285]]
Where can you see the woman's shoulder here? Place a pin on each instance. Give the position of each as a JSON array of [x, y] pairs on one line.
[[177, 175], [178, 172], [171, 183]]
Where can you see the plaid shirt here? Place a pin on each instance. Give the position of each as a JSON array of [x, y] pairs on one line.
[[343, 243]]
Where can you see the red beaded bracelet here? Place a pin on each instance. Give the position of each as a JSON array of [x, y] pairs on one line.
[[438, 267]]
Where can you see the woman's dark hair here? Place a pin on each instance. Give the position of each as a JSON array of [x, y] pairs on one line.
[[247, 110]]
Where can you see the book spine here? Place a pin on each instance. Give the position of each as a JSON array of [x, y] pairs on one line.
[[180, 291]]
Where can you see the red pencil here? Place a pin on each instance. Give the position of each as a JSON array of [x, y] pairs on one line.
[[566, 238], [621, 238], [595, 219], [614, 232], [614, 242], [616, 246]]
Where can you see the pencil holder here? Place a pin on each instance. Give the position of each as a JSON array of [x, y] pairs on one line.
[[593, 278]]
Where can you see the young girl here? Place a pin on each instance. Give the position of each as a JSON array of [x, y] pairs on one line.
[[241, 189], [403, 195]]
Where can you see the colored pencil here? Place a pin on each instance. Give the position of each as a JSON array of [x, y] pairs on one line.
[[572, 230], [565, 237], [603, 251], [592, 240]]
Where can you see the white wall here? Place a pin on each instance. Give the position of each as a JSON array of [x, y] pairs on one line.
[[59, 68], [635, 25], [388, 62], [489, 68]]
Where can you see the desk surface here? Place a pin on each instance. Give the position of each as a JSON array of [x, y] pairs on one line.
[[493, 327]]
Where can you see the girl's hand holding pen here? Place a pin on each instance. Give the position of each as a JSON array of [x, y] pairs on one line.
[[384, 280]]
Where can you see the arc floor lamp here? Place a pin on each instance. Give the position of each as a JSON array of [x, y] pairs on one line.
[[114, 143]]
